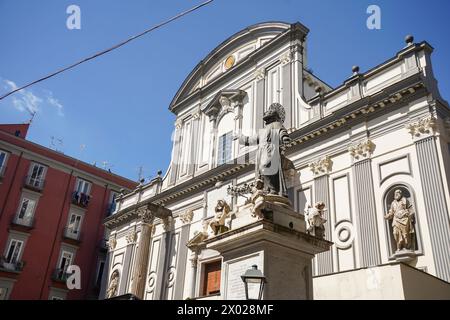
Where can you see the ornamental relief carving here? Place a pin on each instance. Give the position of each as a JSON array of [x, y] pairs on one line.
[[187, 216], [422, 128], [260, 74], [362, 150], [131, 237], [321, 166]]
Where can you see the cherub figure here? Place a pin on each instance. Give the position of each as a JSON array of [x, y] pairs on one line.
[[257, 198], [217, 224], [315, 219]]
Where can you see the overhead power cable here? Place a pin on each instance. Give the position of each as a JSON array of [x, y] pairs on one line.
[[98, 54]]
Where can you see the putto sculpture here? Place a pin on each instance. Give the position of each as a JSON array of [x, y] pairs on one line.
[[315, 220], [217, 224], [402, 214]]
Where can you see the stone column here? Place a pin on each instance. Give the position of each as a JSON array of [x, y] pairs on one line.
[[176, 151], [260, 75], [141, 261], [186, 218], [321, 168], [366, 215], [194, 262], [126, 277], [163, 258], [195, 141], [423, 132], [286, 89]]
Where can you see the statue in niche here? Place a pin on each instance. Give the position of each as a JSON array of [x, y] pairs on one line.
[[217, 224], [269, 158], [403, 219], [113, 285], [315, 220]]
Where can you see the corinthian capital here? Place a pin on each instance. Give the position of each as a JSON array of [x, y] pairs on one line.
[[422, 128], [260, 74], [321, 166], [145, 215], [362, 150], [187, 216]]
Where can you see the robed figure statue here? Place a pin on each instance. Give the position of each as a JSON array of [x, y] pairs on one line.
[[270, 161]]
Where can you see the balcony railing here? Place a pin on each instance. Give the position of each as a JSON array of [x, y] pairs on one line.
[[80, 199], [60, 275], [70, 233], [34, 183], [27, 222], [15, 267]]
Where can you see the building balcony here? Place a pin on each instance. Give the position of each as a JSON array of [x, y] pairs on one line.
[[14, 267], [35, 184], [71, 234], [60, 275], [25, 223], [80, 199]]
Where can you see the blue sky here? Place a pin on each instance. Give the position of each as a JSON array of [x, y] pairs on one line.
[[115, 108]]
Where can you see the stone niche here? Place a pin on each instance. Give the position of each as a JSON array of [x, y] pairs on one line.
[[415, 246]]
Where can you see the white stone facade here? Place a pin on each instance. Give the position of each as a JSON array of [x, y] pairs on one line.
[[381, 130]]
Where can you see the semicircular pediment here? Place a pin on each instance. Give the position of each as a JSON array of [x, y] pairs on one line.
[[227, 55]]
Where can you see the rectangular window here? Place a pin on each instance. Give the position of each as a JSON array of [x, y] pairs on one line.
[[3, 157], [112, 202], [211, 278], [26, 210], [3, 293], [36, 175], [74, 226], [98, 279], [224, 149], [66, 260], [83, 187], [14, 250]]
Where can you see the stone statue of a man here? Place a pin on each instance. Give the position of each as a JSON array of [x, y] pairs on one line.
[[113, 285], [402, 216], [269, 159]]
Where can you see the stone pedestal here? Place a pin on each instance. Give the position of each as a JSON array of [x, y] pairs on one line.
[[277, 243]]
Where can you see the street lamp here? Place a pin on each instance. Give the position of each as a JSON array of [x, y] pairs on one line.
[[254, 281]]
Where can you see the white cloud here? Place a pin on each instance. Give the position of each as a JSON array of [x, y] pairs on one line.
[[25, 100]]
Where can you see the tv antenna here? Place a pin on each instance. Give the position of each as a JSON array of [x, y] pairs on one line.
[[55, 143]]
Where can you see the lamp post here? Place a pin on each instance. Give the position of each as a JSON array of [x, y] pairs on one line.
[[254, 281]]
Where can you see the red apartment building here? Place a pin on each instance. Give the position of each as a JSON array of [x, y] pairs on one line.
[[51, 212]]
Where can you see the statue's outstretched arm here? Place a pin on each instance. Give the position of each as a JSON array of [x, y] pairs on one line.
[[247, 140]]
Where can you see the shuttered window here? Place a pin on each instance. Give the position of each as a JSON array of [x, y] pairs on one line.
[[211, 283]]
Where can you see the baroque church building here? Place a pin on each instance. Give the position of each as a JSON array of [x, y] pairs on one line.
[[371, 155]]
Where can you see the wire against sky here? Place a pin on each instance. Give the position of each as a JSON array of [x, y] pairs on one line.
[[98, 54]]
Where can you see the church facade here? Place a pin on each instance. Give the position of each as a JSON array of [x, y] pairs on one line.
[[375, 151]]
